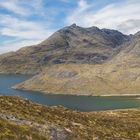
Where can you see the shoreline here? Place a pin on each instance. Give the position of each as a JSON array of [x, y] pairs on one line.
[[127, 95], [88, 95]]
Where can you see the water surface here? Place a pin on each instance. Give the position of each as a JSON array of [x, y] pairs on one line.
[[81, 103]]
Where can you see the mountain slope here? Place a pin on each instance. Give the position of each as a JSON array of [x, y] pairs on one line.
[[72, 44], [23, 120], [119, 76]]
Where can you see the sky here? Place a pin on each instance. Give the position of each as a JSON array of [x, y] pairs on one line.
[[28, 22]]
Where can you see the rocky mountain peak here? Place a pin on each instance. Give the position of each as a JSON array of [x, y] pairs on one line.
[[137, 34], [71, 44], [73, 25]]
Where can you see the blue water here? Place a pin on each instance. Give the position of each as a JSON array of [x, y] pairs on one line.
[[81, 103]]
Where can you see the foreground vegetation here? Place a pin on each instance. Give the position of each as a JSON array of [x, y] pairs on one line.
[[22, 119]]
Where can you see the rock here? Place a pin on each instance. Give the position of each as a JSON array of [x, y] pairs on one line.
[[72, 44]]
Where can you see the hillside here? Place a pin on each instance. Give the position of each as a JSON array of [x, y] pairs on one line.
[[72, 44], [22, 119], [118, 76]]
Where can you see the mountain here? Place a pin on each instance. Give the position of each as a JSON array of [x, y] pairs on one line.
[[72, 44], [23, 120], [118, 76]]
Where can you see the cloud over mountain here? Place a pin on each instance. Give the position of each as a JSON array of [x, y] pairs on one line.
[[35, 20], [123, 16]]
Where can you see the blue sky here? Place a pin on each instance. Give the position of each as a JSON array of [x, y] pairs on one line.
[[27, 22]]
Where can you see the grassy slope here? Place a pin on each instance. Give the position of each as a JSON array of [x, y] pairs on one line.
[[13, 131], [120, 75], [106, 125], [85, 80]]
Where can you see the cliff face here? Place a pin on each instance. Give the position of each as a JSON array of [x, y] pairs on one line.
[[72, 44], [118, 76], [22, 119]]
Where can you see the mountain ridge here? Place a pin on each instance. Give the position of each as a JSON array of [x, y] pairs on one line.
[[79, 61], [72, 44], [118, 76]]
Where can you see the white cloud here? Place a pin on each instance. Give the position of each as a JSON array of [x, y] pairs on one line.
[[22, 28], [26, 32], [23, 7], [17, 44], [17, 25], [130, 26], [13, 6], [114, 16], [82, 5]]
